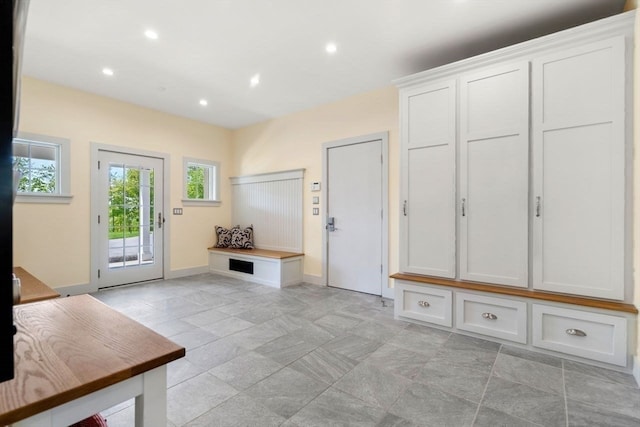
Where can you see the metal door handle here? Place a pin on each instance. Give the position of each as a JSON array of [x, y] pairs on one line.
[[489, 316], [464, 201], [160, 220], [404, 208], [331, 224], [423, 304], [538, 206]]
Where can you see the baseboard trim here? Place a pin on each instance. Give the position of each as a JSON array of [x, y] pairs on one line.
[[313, 279], [636, 369], [86, 288], [184, 272], [69, 291]]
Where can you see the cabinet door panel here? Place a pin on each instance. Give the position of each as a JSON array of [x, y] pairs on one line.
[[576, 216], [430, 212], [495, 235], [573, 82], [493, 102], [429, 117], [579, 171], [494, 138], [428, 180]]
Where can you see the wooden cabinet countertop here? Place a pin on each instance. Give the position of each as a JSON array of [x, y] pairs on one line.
[[32, 289], [67, 348]]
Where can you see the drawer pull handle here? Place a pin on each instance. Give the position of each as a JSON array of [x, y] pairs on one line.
[[423, 304], [489, 316], [576, 332]]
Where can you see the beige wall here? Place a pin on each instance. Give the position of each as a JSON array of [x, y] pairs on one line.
[[52, 241], [295, 141]]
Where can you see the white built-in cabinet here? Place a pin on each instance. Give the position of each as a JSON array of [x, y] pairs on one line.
[[516, 172]]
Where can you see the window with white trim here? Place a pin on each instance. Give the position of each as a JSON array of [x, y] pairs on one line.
[[41, 167], [201, 182]]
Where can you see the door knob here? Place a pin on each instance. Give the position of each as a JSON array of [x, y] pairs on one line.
[[331, 224]]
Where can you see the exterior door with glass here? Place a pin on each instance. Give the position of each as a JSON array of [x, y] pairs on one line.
[[130, 218]]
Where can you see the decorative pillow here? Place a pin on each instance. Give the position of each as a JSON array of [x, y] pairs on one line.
[[224, 236], [242, 239]]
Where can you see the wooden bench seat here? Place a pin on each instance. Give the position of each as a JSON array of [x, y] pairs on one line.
[[267, 267]]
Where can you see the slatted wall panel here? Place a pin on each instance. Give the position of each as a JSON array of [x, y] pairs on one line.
[[273, 204]]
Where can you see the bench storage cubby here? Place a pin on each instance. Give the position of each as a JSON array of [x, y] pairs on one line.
[[272, 268]]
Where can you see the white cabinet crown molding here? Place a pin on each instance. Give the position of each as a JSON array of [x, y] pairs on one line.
[[615, 25]]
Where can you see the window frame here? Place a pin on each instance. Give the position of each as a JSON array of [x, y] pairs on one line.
[[215, 166], [63, 170]]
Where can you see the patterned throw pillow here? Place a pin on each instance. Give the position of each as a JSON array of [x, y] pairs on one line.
[[224, 236], [242, 239]]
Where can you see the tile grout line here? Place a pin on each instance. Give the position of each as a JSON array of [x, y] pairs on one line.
[[564, 392], [486, 386]]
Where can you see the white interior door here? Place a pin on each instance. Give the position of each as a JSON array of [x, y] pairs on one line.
[[130, 218], [354, 206]]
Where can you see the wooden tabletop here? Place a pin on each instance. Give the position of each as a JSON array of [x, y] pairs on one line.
[[66, 348], [32, 289]]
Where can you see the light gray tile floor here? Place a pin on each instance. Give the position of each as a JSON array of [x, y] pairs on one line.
[[316, 356]]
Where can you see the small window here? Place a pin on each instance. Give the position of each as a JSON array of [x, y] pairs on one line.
[[42, 164], [201, 185]]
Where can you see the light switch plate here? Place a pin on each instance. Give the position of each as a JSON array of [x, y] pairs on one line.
[[316, 200], [177, 211], [316, 211], [315, 186]]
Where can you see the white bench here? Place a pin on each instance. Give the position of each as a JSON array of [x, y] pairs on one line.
[[272, 268]]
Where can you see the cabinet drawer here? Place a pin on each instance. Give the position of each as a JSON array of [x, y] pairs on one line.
[[423, 303], [496, 317], [590, 335]]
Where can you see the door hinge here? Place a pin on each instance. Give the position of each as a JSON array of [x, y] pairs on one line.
[[381, 269], [98, 273], [381, 159], [382, 213], [98, 164], [98, 219]]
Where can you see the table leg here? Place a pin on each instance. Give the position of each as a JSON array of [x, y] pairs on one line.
[[151, 405]]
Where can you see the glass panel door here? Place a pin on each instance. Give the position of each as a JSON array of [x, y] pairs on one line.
[[131, 223]]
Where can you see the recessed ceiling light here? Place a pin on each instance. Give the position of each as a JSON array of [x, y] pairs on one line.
[[107, 71], [255, 80], [203, 102], [331, 48], [151, 34]]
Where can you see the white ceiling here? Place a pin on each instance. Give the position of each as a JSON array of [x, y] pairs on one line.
[[211, 48]]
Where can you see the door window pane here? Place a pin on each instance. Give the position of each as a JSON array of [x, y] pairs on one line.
[[131, 212]]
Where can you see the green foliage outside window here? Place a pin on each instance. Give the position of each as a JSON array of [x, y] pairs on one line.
[[125, 201], [196, 182], [36, 176]]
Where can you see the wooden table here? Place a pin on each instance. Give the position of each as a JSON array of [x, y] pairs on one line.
[[32, 289], [76, 356]]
